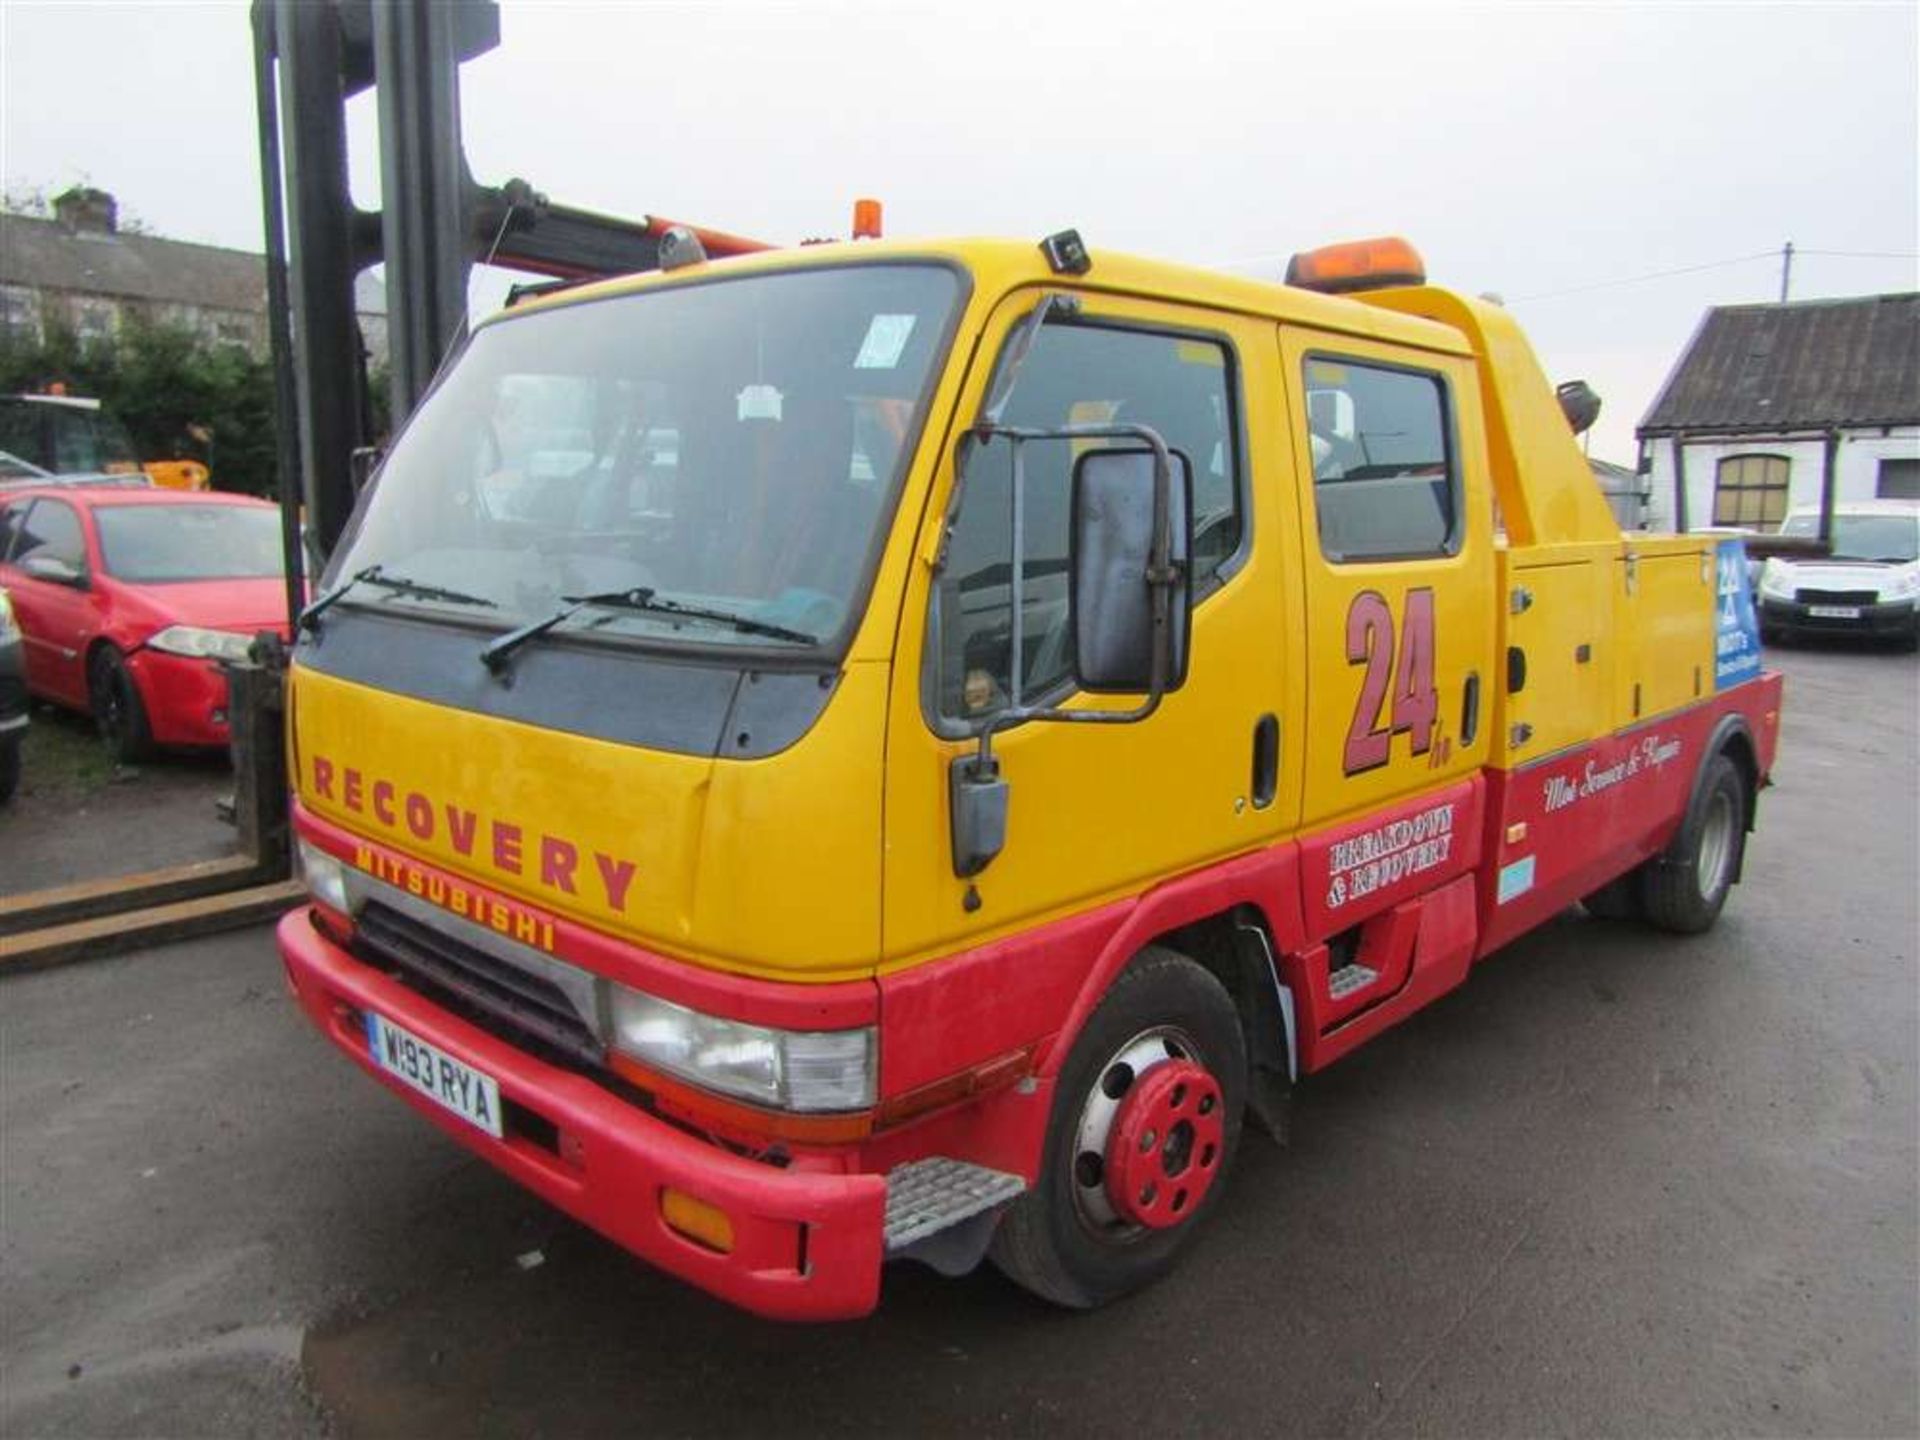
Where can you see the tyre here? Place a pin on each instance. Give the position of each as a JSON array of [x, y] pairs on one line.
[[1684, 887], [9, 768], [117, 707], [1618, 899], [1146, 1118]]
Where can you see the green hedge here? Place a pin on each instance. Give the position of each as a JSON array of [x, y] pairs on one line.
[[165, 383]]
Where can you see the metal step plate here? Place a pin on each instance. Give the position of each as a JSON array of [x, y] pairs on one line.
[[925, 1197], [1349, 978]]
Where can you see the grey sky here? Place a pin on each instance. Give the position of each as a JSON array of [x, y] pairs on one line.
[[1526, 149]]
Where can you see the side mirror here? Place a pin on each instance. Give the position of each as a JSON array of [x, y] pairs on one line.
[[1111, 559], [54, 571], [977, 812]]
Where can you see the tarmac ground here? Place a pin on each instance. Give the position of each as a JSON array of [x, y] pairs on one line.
[[1617, 1183]]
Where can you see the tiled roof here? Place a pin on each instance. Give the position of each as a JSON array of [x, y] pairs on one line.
[[1803, 365], [47, 255]]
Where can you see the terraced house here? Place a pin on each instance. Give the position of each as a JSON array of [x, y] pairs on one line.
[[81, 269]]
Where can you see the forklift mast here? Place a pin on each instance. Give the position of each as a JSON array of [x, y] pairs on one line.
[[435, 223]]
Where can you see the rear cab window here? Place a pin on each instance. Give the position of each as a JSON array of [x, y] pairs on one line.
[[1386, 482]]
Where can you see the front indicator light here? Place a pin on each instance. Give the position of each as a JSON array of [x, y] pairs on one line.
[[695, 1219], [800, 1070]]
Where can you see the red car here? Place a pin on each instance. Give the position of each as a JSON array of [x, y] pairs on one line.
[[129, 597]]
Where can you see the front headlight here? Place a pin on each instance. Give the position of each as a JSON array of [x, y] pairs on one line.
[[198, 644], [326, 877], [9, 627], [810, 1070], [1905, 585], [1776, 580]]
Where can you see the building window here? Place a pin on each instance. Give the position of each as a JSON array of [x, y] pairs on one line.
[[1750, 491], [20, 313], [1384, 482], [234, 329], [95, 321], [1899, 480]]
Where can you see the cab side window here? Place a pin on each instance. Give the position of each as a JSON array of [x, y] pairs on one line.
[[1076, 374], [52, 530], [1386, 483]]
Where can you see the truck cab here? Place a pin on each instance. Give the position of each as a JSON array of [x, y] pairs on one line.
[[896, 750]]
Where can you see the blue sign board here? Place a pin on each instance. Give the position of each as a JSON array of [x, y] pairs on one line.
[[1736, 633]]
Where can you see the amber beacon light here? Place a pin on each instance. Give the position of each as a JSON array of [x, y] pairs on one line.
[[866, 219], [1357, 265]]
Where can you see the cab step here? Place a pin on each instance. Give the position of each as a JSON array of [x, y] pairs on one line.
[[927, 1197], [1349, 978]]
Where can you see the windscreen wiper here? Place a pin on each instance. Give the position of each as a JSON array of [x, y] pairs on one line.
[[374, 575], [640, 598]]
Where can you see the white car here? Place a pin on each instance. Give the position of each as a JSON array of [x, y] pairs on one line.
[[1868, 585]]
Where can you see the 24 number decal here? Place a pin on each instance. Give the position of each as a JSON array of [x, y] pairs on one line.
[[1415, 703]]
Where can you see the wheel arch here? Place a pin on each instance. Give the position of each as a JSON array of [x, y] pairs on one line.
[[1232, 920], [1731, 736]]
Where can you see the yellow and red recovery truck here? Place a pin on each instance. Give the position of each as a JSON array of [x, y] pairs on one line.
[[898, 749]]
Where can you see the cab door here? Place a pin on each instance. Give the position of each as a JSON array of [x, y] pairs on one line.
[[1396, 519], [1096, 812]]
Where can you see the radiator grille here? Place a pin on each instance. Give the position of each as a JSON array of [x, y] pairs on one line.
[[527, 1004], [1836, 597]]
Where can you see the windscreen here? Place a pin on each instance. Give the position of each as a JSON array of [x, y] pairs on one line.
[[732, 445], [152, 544], [1894, 539], [87, 442]]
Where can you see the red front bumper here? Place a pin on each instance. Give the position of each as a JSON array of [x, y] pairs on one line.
[[807, 1246], [186, 697]]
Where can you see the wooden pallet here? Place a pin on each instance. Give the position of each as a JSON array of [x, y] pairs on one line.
[[115, 934]]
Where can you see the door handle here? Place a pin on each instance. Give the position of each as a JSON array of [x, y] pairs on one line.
[[1266, 761], [1470, 708]]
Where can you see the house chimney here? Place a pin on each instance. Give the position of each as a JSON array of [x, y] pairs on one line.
[[84, 208]]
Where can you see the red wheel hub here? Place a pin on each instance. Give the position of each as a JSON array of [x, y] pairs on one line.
[[1165, 1148]]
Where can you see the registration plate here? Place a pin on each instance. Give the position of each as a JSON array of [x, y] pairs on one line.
[[1834, 612], [460, 1088]]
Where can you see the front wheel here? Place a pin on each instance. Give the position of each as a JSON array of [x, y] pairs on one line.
[[117, 707], [1146, 1118], [1685, 886]]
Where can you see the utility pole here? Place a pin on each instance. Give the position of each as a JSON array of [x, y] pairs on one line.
[[1786, 269]]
